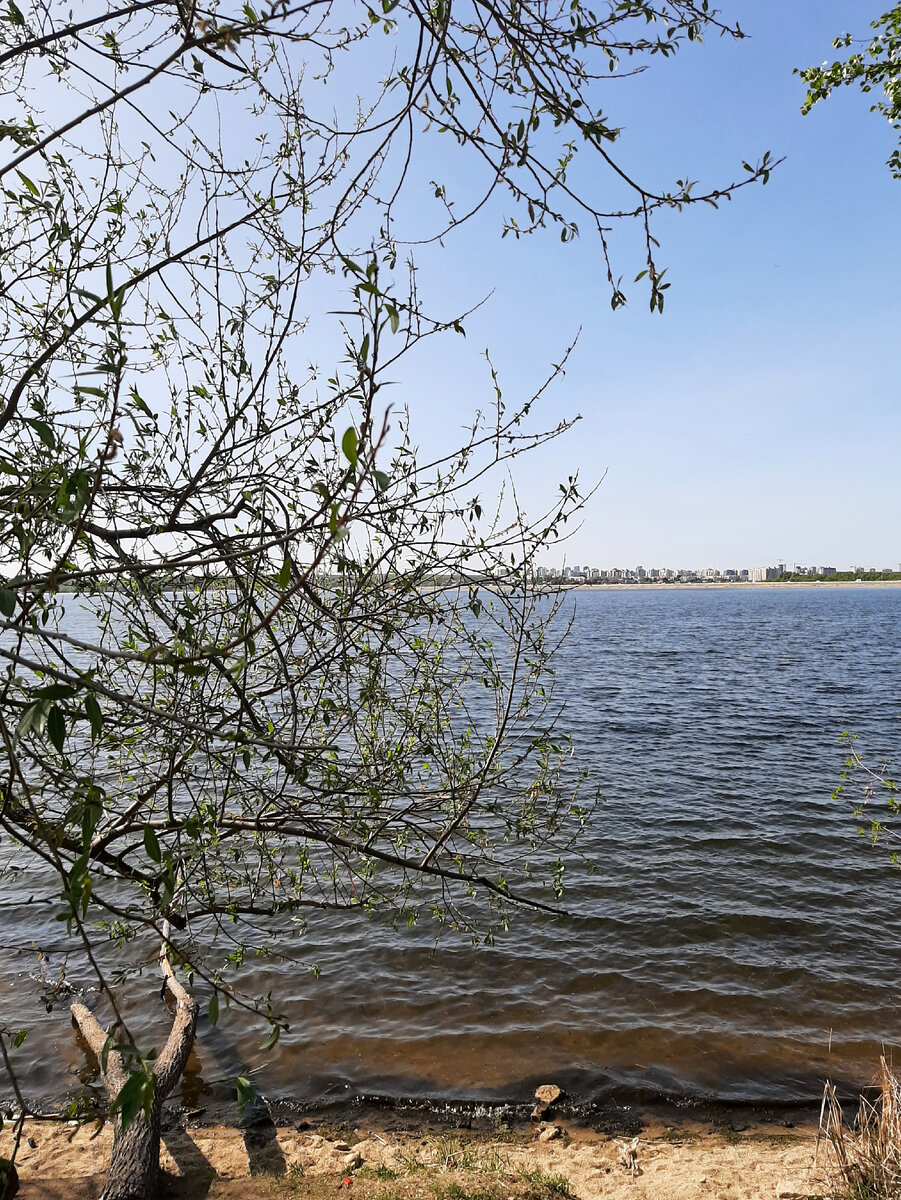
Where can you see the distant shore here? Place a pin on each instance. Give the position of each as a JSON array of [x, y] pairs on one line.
[[730, 587]]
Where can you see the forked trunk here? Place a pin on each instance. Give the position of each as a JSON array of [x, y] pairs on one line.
[[135, 1163]]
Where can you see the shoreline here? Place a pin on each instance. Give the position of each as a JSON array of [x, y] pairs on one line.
[[551, 1160], [727, 587]]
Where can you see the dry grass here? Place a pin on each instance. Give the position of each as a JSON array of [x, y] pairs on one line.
[[443, 1153], [453, 1185], [864, 1159]]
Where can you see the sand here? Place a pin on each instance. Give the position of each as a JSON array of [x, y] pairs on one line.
[[226, 1163]]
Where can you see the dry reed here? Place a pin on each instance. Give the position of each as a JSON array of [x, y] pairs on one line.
[[864, 1160]]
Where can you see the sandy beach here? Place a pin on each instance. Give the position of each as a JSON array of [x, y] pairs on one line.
[[547, 1162]]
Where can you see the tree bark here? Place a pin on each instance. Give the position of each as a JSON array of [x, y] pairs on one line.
[[135, 1162]]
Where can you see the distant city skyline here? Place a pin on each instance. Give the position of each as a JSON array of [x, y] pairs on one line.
[[786, 564], [754, 574]]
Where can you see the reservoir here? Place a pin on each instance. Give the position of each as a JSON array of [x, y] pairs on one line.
[[730, 937]]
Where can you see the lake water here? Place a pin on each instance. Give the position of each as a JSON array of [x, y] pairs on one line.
[[736, 939]]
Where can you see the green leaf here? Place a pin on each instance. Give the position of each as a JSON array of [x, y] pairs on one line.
[[167, 886], [245, 1090], [57, 691], [116, 299], [94, 715], [20, 1037], [14, 15], [91, 814], [274, 1034], [7, 602], [151, 844], [195, 670], [286, 573], [349, 445], [213, 1009], [136, 1096], [92, 296], [141, 405], [30, 184], [19, 134], [56, 727], [44, 432], [381, 480], [34, 717]]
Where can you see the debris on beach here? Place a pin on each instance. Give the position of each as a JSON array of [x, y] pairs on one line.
[[545, 1095], [628, 1155]]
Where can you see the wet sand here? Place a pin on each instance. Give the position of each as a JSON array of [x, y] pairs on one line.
[[548, 1162]]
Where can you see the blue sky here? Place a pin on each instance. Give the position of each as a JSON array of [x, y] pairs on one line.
[[757, 419]]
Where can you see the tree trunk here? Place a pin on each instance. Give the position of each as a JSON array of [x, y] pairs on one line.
[[135, 1163]]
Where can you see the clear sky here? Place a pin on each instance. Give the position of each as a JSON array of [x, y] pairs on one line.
[[757, 419]]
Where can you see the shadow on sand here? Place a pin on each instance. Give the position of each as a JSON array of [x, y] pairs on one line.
[[196, 1172], [264, 1154]]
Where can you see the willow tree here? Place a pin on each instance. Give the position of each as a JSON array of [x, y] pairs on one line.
[[260, 656], [873, 65]]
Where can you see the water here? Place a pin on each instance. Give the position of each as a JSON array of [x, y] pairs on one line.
[[734, 939]]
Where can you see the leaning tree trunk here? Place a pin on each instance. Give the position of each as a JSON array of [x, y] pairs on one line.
[[135, 1164]]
